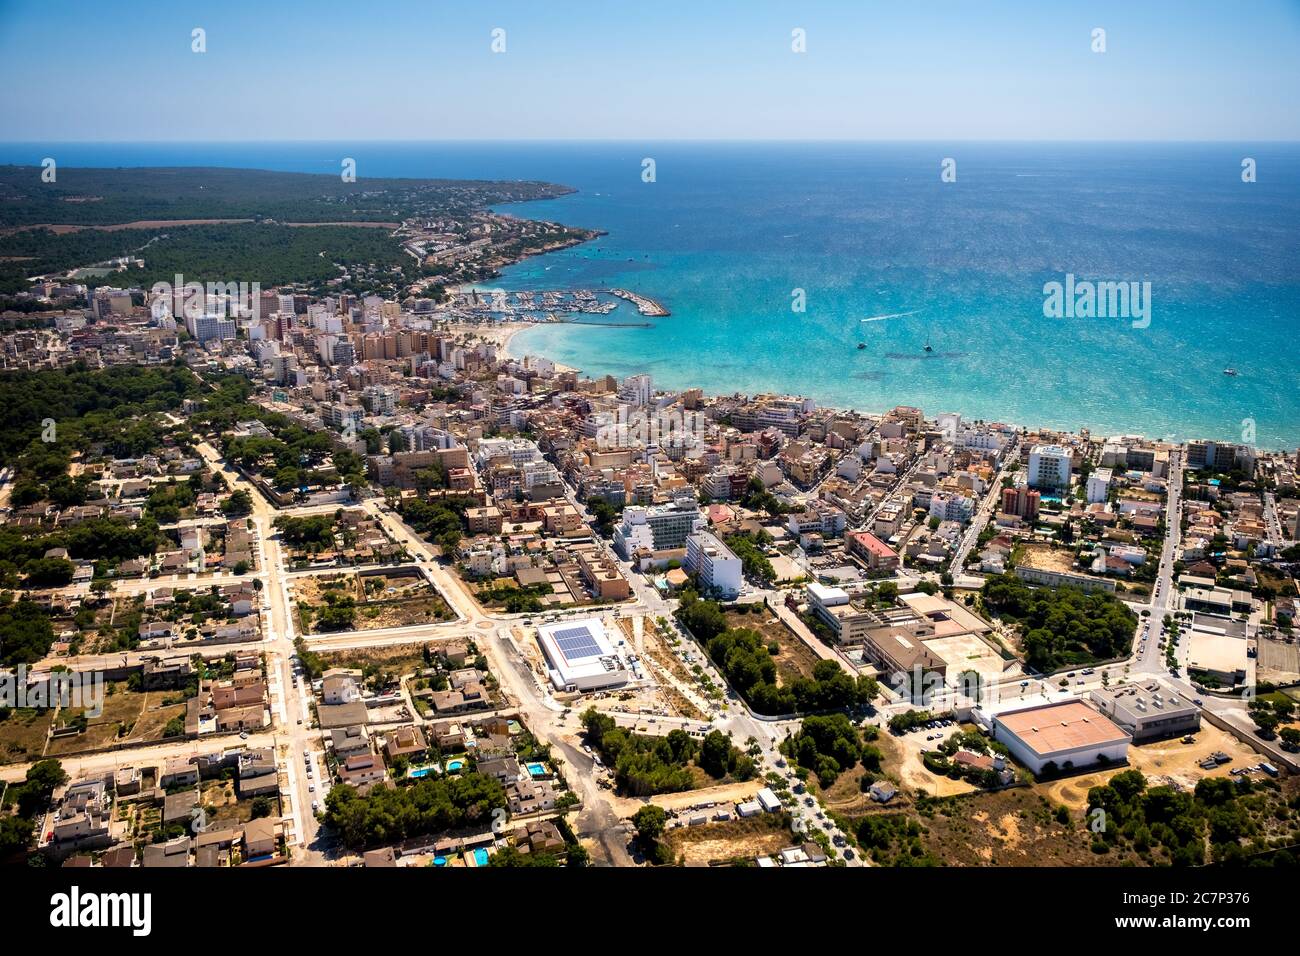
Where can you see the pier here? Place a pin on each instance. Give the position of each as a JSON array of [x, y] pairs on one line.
[[644, 305]]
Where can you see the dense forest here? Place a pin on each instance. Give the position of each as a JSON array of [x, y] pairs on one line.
[[1232, 821], [431, 805], [267, 253], [112, 196], [86, 404]]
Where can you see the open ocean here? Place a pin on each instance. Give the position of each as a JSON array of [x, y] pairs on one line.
[[868, 231]]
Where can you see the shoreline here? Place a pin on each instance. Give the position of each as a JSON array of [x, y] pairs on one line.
[[502, 334], [509, 346]]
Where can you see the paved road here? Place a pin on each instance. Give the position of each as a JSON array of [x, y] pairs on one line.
[[986, 509]]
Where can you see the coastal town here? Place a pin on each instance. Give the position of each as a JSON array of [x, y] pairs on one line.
[[325, 578]]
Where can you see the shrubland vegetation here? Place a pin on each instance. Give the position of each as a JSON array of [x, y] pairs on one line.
[[748, 663], [644, 766]]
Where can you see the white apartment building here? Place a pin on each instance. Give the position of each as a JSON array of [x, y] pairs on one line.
[[659, 527], [1049, 467], [952, 507], [520, 451], [1099, 485], [636, 390], [715, 563]]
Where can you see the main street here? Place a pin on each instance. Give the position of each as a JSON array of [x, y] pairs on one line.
[[491, 634], [984, 512], [291, 697]]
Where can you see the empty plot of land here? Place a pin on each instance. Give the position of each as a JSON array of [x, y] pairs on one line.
[[1166, 761], [722, 796], [23, 733], [1006, 828], [903, 761], [1279, 657], [732, 841], [142, 715], [399, 659], [794, 658], [392, 599]]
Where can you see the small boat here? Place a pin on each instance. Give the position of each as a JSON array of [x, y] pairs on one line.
[[927, 347], [862, 345], [1229, 371]]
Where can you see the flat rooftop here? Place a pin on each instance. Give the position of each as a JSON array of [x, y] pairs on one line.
[[1068, 725], [1146, 700], [1217, 652], [948, 617], [578, 649]]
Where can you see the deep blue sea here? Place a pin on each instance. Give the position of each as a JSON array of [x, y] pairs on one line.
[[728, 232]]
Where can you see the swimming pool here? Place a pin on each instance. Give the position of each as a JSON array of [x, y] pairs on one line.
[[454, 766], [536, 769], [417, 772], [480, 857]]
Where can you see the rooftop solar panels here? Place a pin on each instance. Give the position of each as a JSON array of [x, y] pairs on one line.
[[576, 643]]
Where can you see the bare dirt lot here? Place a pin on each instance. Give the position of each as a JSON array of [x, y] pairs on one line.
[[1161, 761], [734, 841], [400, 659], [22, 734], [726, 795], [144, 715], [903, 762], [382, 600], [1278, 660]]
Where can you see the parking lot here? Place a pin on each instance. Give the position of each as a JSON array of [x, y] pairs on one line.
[[906, 763]]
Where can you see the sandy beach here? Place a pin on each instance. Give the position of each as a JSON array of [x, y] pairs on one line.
[[499, 334]]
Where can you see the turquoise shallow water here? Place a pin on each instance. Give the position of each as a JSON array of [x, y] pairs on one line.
[[728, 231]]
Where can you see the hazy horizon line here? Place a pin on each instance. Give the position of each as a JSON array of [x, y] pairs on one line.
[[651, 139]]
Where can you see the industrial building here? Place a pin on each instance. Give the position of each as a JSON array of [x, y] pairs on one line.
[[1150, 710], [580, 657], [1218, 648], [1067, 735]]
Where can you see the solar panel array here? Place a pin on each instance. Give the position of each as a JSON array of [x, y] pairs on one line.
[[575, 643]]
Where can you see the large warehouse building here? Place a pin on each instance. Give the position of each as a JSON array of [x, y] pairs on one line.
[[580, 656], [1066, 733]]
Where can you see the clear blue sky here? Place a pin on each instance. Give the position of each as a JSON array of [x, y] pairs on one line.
[[669, 69]]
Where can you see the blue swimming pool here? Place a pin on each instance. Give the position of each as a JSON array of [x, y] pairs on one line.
[[481, 857], [454, 766], [536, 769]]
